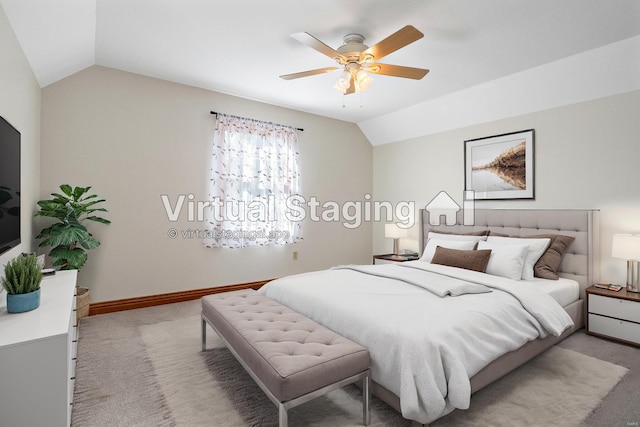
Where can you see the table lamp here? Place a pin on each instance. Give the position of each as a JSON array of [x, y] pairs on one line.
[[396, 233], [627, 246]]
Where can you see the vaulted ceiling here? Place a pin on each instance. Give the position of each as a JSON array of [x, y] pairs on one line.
[[241, 47]]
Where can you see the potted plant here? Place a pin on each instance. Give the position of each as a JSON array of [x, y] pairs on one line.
[[22, 278], [69, 238]]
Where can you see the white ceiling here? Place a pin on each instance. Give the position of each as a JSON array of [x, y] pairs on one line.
[[240, 47]]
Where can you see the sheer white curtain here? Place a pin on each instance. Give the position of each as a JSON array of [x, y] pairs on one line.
[[254, 171]]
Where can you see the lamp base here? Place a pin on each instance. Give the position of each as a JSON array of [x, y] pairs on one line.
[[633, 276], [396, 246]]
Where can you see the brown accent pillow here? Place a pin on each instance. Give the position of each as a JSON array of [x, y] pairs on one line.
[[470, 233], [470, 260], [549, 262]]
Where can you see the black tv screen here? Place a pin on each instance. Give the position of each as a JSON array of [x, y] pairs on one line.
[[9, 186]]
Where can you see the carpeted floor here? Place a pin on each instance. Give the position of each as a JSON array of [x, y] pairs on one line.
[[145, 368]]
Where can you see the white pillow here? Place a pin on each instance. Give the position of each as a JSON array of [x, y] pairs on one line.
[[432, 244], [465, 237], [536, 249], [506, 260]]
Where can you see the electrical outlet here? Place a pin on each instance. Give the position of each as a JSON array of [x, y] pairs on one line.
[[295, 255]]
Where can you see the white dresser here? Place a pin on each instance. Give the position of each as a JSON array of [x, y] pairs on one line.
[[38, 357]]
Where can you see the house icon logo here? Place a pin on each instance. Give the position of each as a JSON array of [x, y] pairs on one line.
[[442, 205]]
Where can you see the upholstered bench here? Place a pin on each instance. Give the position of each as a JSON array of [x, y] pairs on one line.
[[292, 358]]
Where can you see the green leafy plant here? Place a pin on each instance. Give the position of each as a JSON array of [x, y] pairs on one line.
[[22, 275], [69, 238]]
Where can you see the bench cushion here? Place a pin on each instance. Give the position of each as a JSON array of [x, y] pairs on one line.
[[291, 354]]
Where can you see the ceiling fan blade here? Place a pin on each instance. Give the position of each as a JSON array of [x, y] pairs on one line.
[[395, 41], [398, 71], [316, 44], [308, 73]]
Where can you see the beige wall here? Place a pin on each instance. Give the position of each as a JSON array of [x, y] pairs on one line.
[[134, 138], [586, 156], [20, 106]]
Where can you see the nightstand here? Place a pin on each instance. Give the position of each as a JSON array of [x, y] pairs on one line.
[[613, 315], [391, 258]]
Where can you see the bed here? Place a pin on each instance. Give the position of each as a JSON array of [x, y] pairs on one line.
[[475, 335]]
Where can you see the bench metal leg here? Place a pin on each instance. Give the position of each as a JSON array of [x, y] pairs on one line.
[[282, 416], [203, 334], [366, 400]]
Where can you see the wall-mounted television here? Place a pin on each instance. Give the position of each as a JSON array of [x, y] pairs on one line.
[[9, 186]]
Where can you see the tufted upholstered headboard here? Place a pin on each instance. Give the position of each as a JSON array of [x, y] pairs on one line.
[[580, 263]]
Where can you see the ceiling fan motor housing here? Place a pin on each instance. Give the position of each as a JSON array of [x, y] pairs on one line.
[[352, 48]]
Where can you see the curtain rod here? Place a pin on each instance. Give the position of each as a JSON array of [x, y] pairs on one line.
[[215, 113]]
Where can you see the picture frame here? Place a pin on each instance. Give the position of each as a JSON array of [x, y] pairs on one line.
[[500, 167]]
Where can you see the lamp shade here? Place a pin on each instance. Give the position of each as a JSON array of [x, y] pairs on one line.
[[394, 232], [626, 246]]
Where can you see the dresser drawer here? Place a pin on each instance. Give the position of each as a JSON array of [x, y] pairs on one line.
[[70, 388], [613, 307], [615, 328]]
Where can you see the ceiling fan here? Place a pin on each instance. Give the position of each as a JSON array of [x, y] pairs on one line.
[[359, 59]]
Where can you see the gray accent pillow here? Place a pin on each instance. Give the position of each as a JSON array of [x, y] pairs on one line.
[[469, 260]]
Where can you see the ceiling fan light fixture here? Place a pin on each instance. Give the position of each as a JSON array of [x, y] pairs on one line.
[[363, 80], [344, 81]]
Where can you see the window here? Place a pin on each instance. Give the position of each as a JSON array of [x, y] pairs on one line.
[[254, 172]]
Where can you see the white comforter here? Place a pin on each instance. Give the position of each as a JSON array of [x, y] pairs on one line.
[[424, 348]]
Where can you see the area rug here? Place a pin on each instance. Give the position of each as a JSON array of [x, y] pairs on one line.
[[560, 387]]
